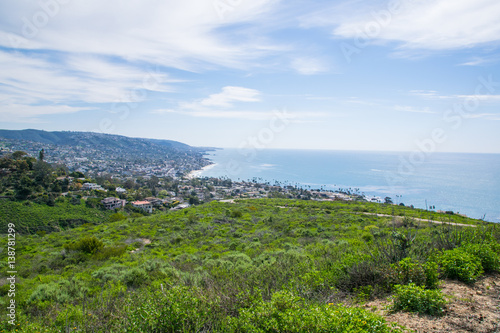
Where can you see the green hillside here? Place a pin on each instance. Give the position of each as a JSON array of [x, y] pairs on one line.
[[88, 139], [32, 217], [267, 265]]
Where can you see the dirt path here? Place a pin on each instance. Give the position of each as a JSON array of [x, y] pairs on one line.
[[424, 220]]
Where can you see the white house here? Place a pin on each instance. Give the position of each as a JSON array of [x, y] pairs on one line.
[[120, 190], [144, 205], [92, 186]]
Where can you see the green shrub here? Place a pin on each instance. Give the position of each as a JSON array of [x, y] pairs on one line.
[[286, 312], [490, 260], [87, 245], [363, 293], [431, 270], [461, 265], [63, 291], [111, 251], [117, 217], [412, 298], [179, 309], [135, 277], [409, 271]]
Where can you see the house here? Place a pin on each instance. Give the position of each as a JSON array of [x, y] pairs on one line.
[[92, 186], [144, 205], [112, 203], [155, 201], [120, 190]]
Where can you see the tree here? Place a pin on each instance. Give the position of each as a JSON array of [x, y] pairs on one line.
[[388, 200], [18, 154], [77, 174], [41, 155]]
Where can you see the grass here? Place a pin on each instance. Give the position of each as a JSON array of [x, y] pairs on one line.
[[218, 267]]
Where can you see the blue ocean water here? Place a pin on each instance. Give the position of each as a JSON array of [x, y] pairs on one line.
[[464, 183]]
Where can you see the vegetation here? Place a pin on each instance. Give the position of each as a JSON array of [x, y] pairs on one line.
[[413, 298], [266, 265]]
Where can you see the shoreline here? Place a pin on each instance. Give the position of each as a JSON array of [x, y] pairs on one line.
[[197, 173]]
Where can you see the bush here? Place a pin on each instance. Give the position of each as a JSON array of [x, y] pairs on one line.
[[412, 298], [135, 277], [179, 309], [409, 271], [117, 217], [286, 312], [486, 253], [87, 244], [461, 265], [360, 274], [431, 275]]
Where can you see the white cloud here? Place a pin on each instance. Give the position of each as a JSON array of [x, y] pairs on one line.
[[180, 34], [29, 83], [413, 109], [230, 95], [22, 113], [229, 104], [217, 105], [426, 24], [309, 66], [431, 94], [74, 52]]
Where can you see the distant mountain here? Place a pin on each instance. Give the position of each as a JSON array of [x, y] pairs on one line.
[[87, 139], [113, 154]]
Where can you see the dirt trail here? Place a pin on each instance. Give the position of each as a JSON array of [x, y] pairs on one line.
[[424, 220]]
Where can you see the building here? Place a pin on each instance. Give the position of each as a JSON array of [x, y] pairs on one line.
[[112, 203], [144, 205], [155, 201], [120, 190], [92, 186]]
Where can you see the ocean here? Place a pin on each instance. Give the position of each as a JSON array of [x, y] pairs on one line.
[[464, 183]]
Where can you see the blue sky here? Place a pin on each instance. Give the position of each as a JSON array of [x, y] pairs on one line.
[[399, 75]]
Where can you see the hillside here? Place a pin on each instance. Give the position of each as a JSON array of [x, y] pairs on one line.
[[88, 139], [112, 154], [261, 265]]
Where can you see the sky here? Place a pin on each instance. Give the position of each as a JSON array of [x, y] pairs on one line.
[[399, 75]]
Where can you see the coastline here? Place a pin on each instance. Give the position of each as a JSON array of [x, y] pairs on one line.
[[197, 173]]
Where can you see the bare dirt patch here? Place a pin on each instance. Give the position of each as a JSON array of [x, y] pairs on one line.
[[473, 308]]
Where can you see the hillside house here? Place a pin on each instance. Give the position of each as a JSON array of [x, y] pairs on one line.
[[113, 203], [144, 205], [92, 186]]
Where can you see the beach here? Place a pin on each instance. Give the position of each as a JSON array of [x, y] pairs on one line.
[[197, 173]]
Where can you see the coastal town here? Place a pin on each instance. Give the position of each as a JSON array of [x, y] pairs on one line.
[[168, 173], [113, 179]]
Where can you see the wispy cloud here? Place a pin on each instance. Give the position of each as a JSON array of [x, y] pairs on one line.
[[309, 65], [90, 52], [413, 109], [21, 113], [231, 103], [431, 94], [228, 96], [432, 25], [220, 105]]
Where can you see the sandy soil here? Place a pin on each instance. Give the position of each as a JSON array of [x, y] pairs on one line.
[[471, 309]]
